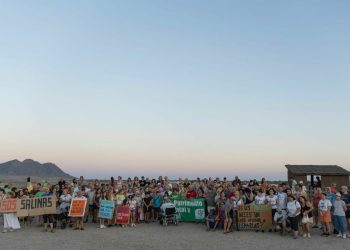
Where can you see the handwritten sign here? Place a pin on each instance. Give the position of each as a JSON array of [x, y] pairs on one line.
[[106, 209], [255, 217], [8, 206], [36, 206], [122, 215], [77, 207]]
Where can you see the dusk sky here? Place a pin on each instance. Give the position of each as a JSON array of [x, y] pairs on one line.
[[177, 88]]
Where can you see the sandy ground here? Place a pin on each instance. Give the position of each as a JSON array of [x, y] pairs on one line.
[[155, 236]]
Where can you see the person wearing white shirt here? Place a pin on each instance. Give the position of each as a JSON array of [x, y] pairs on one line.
[[273, 201], [324, 208], [293, 212]]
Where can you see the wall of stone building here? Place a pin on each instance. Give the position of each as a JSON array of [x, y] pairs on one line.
[[340, 180]]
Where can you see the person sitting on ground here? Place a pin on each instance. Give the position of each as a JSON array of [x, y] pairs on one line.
[[210, 220], [280, 220]]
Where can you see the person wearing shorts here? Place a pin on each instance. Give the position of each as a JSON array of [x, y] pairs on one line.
[[324, 209], [293, 212]]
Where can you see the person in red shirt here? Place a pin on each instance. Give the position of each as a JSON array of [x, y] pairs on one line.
[[315, 200], [191, 194]]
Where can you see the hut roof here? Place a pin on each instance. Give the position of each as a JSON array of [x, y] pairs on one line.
[[317, 170]]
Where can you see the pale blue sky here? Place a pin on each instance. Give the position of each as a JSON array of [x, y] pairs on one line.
[[175, 87]]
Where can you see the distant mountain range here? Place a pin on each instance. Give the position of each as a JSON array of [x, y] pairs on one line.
[[31, 168]]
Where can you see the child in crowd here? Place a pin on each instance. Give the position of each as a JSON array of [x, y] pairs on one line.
[[280, 220], [132, 205], [324, 208], [210, 220], [79, 220]]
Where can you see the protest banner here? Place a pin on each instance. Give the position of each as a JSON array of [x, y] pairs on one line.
[[8, 206], [36, 206], [254, 217], [190, 209], [106, 209], [122, 215], [77, 207]]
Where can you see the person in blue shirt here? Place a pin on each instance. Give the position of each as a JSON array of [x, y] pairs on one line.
[[48, 218], [157, 202]]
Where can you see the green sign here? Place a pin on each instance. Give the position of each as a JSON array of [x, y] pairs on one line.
[[190, 209]]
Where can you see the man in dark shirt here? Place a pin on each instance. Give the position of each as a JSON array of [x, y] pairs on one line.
[[142, 182]]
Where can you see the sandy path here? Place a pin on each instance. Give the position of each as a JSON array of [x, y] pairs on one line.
[[154, 236]]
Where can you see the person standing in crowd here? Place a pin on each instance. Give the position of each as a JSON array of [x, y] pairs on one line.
[[97, 202], [346, 198], [48, 218], [229, 214], [272, 200], [339, 216], [90, 196], [11, 222], [132, 203], [191, 193], [80, 220], [307, 220], [263, 185], [324, 210], [315, 201], [260, 198], [248, 197], [210, 199], [293, 184], [293, 212], [157, 202], [110, 197], [100, 199], [238, 202], [282, 198], [147, 206], [318, 182]]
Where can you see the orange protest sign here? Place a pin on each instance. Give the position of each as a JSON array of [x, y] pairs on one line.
[[77, 208], [122, 215], [8, 206]]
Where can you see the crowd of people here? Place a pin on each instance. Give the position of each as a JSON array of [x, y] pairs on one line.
[[295, 208]]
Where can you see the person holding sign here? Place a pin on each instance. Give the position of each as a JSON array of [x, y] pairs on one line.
[[48, 218], [77, 210], [102, 220], [11, 222]]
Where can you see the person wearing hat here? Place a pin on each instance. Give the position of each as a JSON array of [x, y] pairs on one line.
[[339, 216]]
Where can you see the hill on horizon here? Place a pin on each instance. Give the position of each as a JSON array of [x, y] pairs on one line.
[[32, 168]]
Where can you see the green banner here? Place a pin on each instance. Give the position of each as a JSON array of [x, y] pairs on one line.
[[190, 209]]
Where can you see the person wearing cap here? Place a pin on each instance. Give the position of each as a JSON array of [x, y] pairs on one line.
[[339, 216], [324, 208]]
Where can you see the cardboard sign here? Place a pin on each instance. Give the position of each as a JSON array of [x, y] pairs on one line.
[[106, 209], [77, 207], [122, 215], [254, 217], [8, 206], [36, 206]]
